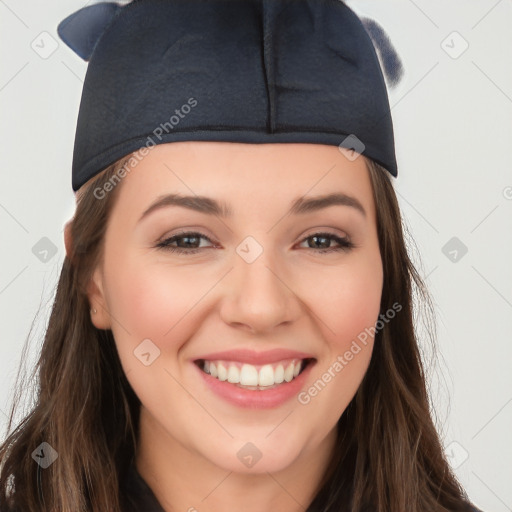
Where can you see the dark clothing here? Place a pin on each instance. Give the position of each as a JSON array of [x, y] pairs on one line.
[[140, 497], [137, 495]]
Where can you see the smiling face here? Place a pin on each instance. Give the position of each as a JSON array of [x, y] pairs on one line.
[[263, 277]]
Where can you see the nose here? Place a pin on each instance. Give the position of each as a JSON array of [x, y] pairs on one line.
[[259, 296]]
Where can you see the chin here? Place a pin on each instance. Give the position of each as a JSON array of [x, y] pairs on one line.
[[255, 457]]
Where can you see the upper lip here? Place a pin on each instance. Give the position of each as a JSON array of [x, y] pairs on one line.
[[255, 357]]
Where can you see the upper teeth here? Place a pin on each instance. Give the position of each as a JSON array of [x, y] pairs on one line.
[[251, 375]]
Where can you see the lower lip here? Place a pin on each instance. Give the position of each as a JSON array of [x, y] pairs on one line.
[[256, 399]]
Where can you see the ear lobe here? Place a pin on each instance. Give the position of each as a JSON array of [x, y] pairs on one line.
[[100, 315], [82, 29]]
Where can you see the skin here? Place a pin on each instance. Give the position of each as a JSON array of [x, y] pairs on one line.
[[291, 296]]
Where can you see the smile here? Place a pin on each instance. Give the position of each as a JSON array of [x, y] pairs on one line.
[[254, 377]]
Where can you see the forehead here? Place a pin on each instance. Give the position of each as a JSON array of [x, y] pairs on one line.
[[245, 174]]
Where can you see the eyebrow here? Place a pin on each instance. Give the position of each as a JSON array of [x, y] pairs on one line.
[[211, 206]]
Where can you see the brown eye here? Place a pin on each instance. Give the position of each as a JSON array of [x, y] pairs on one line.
[[189, 243], [322, 241], [186, 242]]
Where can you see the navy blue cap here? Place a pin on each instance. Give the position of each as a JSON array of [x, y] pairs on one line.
[[253, 71]]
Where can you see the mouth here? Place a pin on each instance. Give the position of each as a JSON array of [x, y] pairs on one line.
[[254, 377]]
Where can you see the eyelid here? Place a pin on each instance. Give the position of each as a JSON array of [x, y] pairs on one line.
[[313, 231], [344, 242], [326, 230], [187, 231]]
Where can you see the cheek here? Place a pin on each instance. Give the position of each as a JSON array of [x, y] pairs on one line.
[[347, 301], [151, 302], [347, 306], [348, 310]]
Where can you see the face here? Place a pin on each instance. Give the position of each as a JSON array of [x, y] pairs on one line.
[[252, 278]]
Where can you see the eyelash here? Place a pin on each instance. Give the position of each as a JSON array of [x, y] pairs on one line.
[[344, 243]]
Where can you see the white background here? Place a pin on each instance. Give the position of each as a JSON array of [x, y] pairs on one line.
[[453, 127]]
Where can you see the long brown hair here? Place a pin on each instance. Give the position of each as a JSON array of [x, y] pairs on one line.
[[388, 459]]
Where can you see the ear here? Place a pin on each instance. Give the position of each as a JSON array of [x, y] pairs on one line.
[[68, 242], [100, 319], [386, 52], [82, 29], [100, 315]]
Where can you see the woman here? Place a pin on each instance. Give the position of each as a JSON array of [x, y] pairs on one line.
[[233, 323]]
